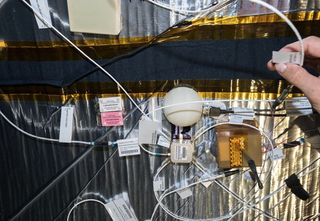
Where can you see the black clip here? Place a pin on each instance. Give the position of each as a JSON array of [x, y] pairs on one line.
[[297, 189]]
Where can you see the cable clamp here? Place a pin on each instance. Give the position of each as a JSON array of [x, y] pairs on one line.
[[297, 189]]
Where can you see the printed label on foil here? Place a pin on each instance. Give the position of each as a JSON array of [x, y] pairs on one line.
[[120, 211], [128, 147], [109, 119]]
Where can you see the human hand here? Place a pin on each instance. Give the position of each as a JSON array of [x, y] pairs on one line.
[[297, 75]]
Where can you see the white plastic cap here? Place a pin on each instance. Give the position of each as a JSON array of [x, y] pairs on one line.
[[185, 114]]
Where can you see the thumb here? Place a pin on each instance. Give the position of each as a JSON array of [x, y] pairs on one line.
[[307, 83], [299, 77]]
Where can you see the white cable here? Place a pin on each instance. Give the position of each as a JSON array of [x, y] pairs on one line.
[[211, 219], [226, 189], [182, 11], [163, 196], [82, 53], [259, 2], [239, 124], [159, 199], [154, 211], [203, 128], [164, 164], [247, 125], [193, 184], [87, 57], [84, 201], [235, 124], [174, 105], [40, 138], [112, 78], [240, 210], [120, 86], [153, 153], [299, 174], [268, 134], [204, 102], [291, 25], [193, 102], [236, 196]]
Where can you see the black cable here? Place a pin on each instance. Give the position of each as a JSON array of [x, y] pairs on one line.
[[292, 144], [152, 42], [98, 171], [261, 114], [253, 168], [282, 96], [271, 115], [290, 128], [51, 183], [99, 140], [184, 22], [228, 173], [216, 111], [268, 110], [178, 209], [58, 177]]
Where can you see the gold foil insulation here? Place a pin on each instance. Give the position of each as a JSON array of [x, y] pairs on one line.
[[214, 28], [237, 146]]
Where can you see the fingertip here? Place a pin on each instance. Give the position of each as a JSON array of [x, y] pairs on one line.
[[271, 66], [281, 68], [297, 76]]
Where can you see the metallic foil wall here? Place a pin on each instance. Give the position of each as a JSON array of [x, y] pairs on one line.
[[141, 21], [42, 180], [29, 55]]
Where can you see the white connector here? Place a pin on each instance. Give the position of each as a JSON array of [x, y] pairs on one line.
[[182, 151]]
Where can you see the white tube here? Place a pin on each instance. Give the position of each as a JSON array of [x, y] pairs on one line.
[[154, 153], [280, 188], [180, 11], [40, 138], [203, 102], [84, 201], [291, 25], [82, 53], [259, 2]]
